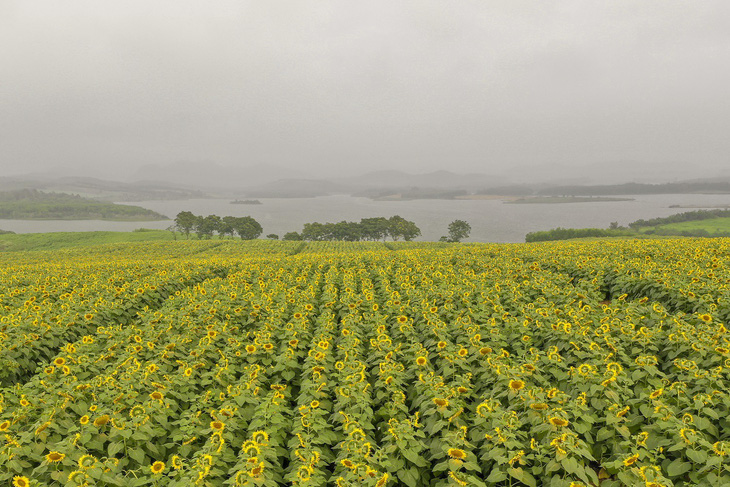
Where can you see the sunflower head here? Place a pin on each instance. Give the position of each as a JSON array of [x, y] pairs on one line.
[[456, 453], [631, 460], [157, 468], [54, 457], [20, 481], [559, 422], [102, 420], [440, 402], [421, 360], [516, 385]]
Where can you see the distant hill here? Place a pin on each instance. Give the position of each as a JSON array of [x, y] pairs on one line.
[[101, 189]]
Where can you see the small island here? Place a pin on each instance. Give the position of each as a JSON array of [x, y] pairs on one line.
[[245, 202], [31, 204]]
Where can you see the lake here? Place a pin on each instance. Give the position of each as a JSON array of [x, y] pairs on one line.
[[490, 220]]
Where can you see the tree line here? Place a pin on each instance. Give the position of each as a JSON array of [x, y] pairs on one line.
[[205, 226], [377, 228]]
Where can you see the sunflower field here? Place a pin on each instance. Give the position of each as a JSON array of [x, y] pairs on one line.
[[225, 363]]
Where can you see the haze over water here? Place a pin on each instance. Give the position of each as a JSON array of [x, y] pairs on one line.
[[491, 220]]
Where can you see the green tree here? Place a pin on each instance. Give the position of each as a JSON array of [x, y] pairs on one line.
[[185, 222], [206, 226], [225, 226], [247, 228], [400, 227], [273, 236], [458, 230], [374, 228], [292, 236]]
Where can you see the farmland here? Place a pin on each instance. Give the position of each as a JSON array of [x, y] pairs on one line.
[[266, 363]]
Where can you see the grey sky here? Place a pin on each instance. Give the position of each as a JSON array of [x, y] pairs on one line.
[[335, 86]]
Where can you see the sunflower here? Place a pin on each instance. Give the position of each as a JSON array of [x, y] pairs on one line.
[[217, 425], [440, 402], [41, 428], [157, 396], [250, 348], [88, 316], [463, 352], [720, 448], [421, 360], [485, 350], [382, 480], [87, 461], [84, 419], [59, 361], [516, 385], [260, 437], [4, 425], [102, 420], [304, 473], [631, 460], [441, 345], [456, 453], [55, 456], [706, 318], [19, 481], [656, 393], [176, 463], [157, 468], [402, 319], [347, 463], [188, 372], [559, 422], [293, 343], [257, 470]]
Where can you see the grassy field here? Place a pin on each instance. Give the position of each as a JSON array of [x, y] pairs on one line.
[[313, 364], [60, 240], [713, 225]]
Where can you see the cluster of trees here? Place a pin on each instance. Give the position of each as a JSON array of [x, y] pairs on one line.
[[378, 228], [205, 226]]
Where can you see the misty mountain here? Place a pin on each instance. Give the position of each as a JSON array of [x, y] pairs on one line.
[[100, 189], [610, 172], [213, 176], [435, 180]]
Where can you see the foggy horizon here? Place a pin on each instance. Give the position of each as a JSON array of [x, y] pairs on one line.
[[338, 89]]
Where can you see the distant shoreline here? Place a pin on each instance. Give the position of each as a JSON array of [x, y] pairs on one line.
[[550, 200]]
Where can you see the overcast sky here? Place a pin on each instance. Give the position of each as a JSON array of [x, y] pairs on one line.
[[343, 86]]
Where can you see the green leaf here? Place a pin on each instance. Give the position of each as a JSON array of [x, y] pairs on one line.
[[696, 456], [114, 448], [497, 475], [678, 467], [137, 455], [409, 477]]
